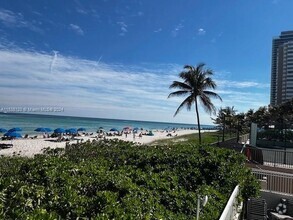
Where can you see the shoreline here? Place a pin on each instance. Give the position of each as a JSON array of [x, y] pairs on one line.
[[31, 147]]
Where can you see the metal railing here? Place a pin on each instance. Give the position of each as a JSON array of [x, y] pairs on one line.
[[275, 181], [273, 143], [270, 157], [231, 210]]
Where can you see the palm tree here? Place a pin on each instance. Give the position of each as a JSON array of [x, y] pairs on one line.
[[196, 81], [240, 124], [229, 114], [226, 119], [249, 117]]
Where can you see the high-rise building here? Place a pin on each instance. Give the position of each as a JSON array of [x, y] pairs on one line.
[[282, 68]]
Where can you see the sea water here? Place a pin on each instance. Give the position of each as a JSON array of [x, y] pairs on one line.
[[29, 122]]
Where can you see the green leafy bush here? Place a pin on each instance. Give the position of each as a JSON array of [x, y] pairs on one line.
[[116, 179]]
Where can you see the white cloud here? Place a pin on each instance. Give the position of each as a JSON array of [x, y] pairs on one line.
[[176, 30], [54, 59], [81, 11], [9, 18], [76, 29], [123, 28], [243, 101], [201, 31], [244, 84], [243, 95], [16, 20], [94, 88], [158, 30], [80, 8], [76, 82]]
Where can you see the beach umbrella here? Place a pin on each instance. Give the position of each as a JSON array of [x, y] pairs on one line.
[[41, 130], [2, 130], [14, 129], [127, 128], [13, 134], [81, 129], [114, 129], [71, 131], [59, 131], [48, 129]]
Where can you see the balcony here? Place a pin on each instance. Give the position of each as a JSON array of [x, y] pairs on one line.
[[274, 170]]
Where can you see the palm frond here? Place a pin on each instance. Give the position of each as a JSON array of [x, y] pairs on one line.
[[189, 68], [187, 102], [178, 93], [179, 85], [209, 72], [199, 68], [185, 75], [209, 83], [207, 104], [212, 94]]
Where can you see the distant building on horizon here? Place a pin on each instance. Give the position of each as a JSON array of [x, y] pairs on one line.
[[282, 68]]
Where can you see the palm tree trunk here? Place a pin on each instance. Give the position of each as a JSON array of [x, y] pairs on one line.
[[198, 123]]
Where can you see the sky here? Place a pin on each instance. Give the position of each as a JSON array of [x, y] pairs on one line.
[[117, 59]]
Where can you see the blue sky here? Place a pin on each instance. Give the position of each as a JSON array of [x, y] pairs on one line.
[[116, 59]]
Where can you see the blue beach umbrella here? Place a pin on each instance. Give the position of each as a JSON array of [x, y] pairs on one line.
[[14, 129], [71, 131], [2, 130], [13, 134], [114, 129], [81, 129], [59, 131], [48, 129]]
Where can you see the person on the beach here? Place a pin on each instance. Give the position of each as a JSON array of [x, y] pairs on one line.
[[133, 135]]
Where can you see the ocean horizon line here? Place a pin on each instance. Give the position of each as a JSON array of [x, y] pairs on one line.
[[88, 117]]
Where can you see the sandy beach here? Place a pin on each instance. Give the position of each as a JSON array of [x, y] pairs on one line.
[[30, 147]]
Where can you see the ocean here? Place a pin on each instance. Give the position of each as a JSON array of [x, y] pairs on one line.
[[29, 122]]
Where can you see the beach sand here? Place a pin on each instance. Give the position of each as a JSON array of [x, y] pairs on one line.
[[30, 147]]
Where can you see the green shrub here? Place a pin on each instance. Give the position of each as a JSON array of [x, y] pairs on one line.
[[116, 179]]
